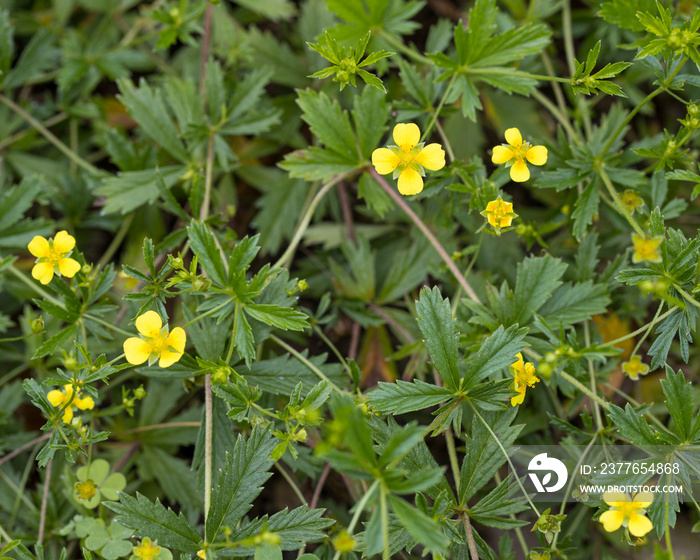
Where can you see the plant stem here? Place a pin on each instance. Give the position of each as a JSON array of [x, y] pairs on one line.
[[23, 448], [306, 219], [60, 117], [569, 50], [207, 444], [452, 452], [34, 286], [591, 375], [404, 49], [359, 508], [106, 324], [204, 210], [162, 426], [649, 327], [640, 330], [433, 240], [581, 387], [622, 209], [116, 241], [547, 104], [306, 362], [292, 484], [505, 454], [44, 502], [470, 537], [669, 546], [433, 119], [46, 133]]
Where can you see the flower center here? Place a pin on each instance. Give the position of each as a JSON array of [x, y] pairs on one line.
[[519, 153], [158, 344]]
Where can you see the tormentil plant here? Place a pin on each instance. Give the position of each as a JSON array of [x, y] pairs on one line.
[[227, 332]]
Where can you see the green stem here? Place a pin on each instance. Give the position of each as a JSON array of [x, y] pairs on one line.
[[501, 71], [569, 50], [384, 510], [649, 327], [622, 209], [591, 376], [34, 286], [46, 133], [581, 387], [206, 314], [669, 546], [333, 348], [404, 49], [686, 295], [547, 104], [359, 508], [204, 210], [108, 325], [639, 330], [116, 241], [234, 329], [433, 240], [436, 112], [60, 117], [208, 415], [292, 483], [306, 219], [507, 456], [452, 452], [306, 362]]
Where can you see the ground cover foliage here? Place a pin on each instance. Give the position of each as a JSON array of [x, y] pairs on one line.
[[273, 285]]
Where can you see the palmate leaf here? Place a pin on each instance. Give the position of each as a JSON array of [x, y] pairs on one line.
[[537, 279], [681, 322], [497, 352], [679, 401], [402, 397], [241, 481], [281, 317], [153, 520], [434, 317], [392, 16]]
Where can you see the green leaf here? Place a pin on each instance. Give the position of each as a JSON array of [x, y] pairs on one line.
[[129, 190], [56, 342], [498, 352], [681, 322], [267, 551], [38, 57], [315, 164], [7, 44], [241, 481], [153, 520], [483, 456], [434, 317], [495, 509], [514, 45], [585, 208], [623, 13], [329, 123], [207, 251], [148, 109], [245, 343], [632, 425], [178, 482], [679, 401], [421, 527], [400, 443], [270, 9], [537, 278], [284, 318], [370, 113], [573, 303], [16, 200]]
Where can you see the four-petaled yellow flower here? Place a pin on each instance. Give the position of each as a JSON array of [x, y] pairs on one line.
[[627, 513], [59, 398], [524, 377], [155, 342], [516, 152], [646, 248], [631, 200], [147, 550], [52, 257], [499, 214], [408, 158], [635, 367]]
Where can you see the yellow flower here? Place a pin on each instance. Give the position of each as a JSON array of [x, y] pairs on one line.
[[631, 200], [646, 248], [60, 398], [52, 257], [147, 550], [408, 158], [155, 342], [516, 152], [499, 214], [524, 377], [635, 367], [344, 542], [627, 513]]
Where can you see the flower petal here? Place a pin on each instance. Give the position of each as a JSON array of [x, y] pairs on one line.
[[68, 415], [136, 351], [537, 155], [431, 157], [406, 136], [39, 246], [518, 399], [612, 520], [643, 499], [63, 242], [519, 172], [149, 324], [43, 272], [384, 160], [177, 339], [514, 138], [56, 397], [639, 524], [84, 404], [615, 499], [410, 182], [501, 154], [68, 267], [168, 358]]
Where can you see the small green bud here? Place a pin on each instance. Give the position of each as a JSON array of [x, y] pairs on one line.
[[70, 363], [220, 376], [37, 325], [140, 393]]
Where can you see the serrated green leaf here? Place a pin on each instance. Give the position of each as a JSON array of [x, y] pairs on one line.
[[681, 322], [207, 251], [497, 352], [148, 109], [632, 425], [7, 44], [679, 401], [421, 527], [57, 341], [38, 57], [537, 278], [493, 508], [329, 123], [129, 190], [241, 481], [573, 303], [284, 318], [153, 520], [16, 200], [434, 318]]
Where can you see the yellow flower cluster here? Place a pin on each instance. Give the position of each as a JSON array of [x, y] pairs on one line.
[[59, 398]]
